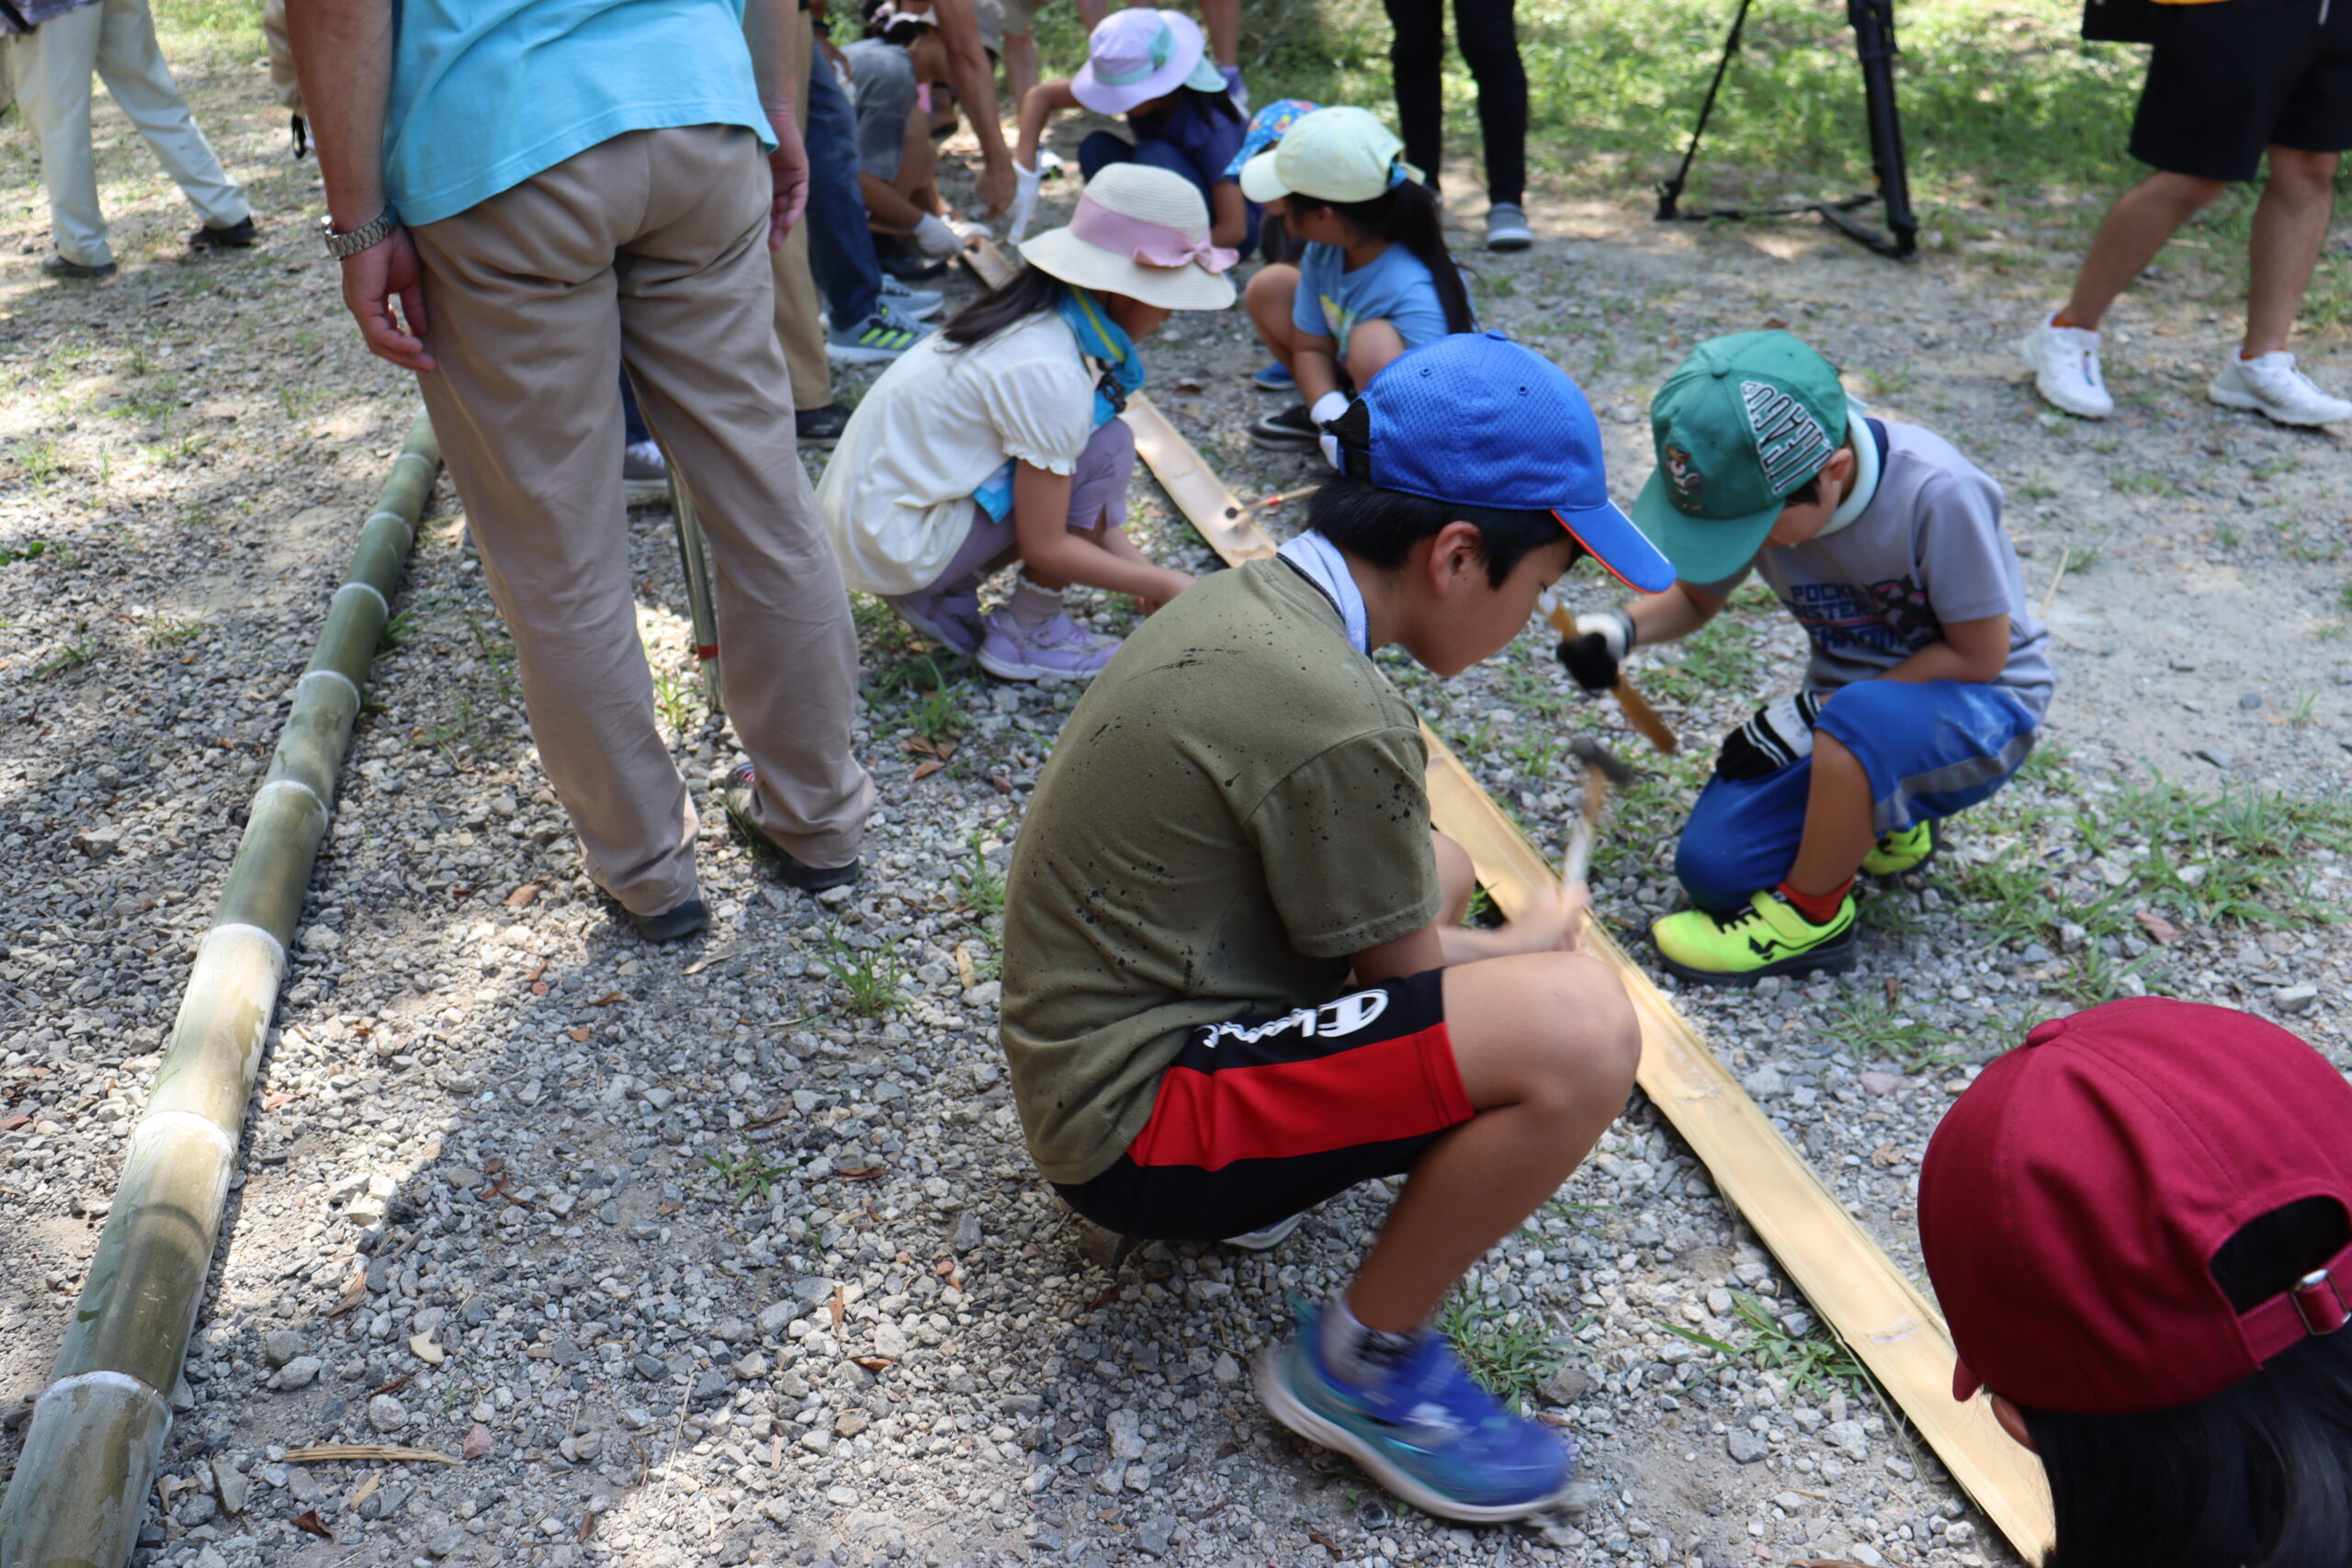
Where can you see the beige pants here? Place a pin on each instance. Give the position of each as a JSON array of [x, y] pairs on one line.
[[796, 287], [52, 65], [649, 249]]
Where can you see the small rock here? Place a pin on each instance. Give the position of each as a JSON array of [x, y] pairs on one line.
[[2249, 700], [889, 1341], [1849, 1435], [1745, 1446], [2221, 758], [280, 1347], [775, 1318], [1881, 1083], [2295, 999], [966, 1234], [423, 1348], [752, 1366], [850, 1423], [1567, 1385], [387, 1414], [231, 1483], [1152, 1537], [1766, 1082], [1224, 1370], [1124, 1430], [299, 1372]]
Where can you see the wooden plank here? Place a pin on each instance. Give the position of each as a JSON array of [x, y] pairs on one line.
[[988, 261], [1844, 1274]]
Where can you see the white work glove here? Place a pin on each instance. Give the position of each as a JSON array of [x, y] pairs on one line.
[[1025, 184], [1328, 407], [965, 229], [935, 238]]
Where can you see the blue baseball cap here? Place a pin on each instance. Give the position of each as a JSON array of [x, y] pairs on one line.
[[1477, 419]]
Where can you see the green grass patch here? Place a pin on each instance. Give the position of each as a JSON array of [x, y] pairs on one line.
[[868, 980], [1508, 1350]]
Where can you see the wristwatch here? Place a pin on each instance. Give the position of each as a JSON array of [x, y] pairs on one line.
[[351, 243]]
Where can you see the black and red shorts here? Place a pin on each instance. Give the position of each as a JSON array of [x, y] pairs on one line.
[[1261, 1117]]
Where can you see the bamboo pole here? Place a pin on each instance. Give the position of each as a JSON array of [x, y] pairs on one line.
[[97, 1437], [1850, 1279], [694, 562]]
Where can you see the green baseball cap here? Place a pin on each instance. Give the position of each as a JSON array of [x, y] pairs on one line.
[[1741, 421]]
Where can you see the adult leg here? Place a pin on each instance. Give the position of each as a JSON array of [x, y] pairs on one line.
[[840, 247], [695, 307], [131, 62], [1490, 41], [53, 66], [1547, 1045], [796, 325], [1416, 58], [1269, 299], [1021, 65], [2134, 230], [2290, 228], [526, 403]]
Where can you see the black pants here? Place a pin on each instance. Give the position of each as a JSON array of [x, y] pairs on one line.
[[1490, 48]]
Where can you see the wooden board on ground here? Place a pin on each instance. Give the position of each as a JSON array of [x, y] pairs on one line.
[[988, 262], [1844, 1274]]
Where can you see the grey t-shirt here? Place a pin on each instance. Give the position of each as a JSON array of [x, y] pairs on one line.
[[1929, 548], [882, 89]]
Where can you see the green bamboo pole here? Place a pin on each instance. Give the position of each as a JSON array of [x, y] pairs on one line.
[[97, 1434]]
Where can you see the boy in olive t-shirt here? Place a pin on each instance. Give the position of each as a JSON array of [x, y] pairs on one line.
[[1234, 823]]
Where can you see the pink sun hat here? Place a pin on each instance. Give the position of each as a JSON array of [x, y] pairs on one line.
[[1137, 54]]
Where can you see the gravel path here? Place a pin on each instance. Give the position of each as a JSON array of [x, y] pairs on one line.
[[695, 1263]]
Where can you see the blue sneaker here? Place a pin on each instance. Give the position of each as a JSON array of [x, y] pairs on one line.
[[1429, 1434], [1274, 378]]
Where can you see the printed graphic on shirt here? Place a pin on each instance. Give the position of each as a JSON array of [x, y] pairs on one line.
[[1891, 616], [1344, 1015], [1790, 442]]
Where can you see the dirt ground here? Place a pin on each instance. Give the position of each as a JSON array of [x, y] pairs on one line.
[[716, 1192]]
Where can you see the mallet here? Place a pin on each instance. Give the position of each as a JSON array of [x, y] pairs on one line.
[[1603, 769]]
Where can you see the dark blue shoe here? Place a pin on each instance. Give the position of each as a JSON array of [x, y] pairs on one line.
[[1274, 378], [1429, 1434]]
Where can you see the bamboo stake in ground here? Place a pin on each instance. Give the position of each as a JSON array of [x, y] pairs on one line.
[[1850, 1279], [90, 1454], [694, 561]]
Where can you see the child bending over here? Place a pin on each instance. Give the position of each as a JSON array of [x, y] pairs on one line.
[[1236, 982], [1929, 675], [998, 438], [1375, 279]]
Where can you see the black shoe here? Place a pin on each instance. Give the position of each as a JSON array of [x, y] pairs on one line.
[[58, 267], [820, 427], [1290, 429], [680, 920], [905, 266], [736, 798], [237, 236]]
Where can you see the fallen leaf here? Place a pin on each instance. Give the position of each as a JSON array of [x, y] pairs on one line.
[[394, 1386], [917, 746], [770, 1120], [1776, 323], [1187, 385], [924, 770], [580, 1035], [1002, 785], [836, 1307], [1326, 1543], [608, 999], [873, 1364], [538, 987], [945, 1266], [967, 973], [278, 1100], [2156, 926], [542, 969], [1105, 1299], [309, 1522], [1886, 1155], [364, 1490], [667, 1207], [422, 1347], [478, 1442], [1226, 1450], [1893, 990], [861, 1172], [354, 1291], [587, 1527], [523, 895]]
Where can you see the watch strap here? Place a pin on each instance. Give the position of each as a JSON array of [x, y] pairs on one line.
[[351, 243]]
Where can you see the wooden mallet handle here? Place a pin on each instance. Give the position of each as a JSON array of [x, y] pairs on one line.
[[1636, 708]]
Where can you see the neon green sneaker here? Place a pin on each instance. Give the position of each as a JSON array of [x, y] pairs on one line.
[[1898, 853], [1769, 937]]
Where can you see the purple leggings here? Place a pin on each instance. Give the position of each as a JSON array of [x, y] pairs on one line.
[[1097, 489]]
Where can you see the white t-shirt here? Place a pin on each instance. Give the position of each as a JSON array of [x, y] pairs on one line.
[[897, 497]]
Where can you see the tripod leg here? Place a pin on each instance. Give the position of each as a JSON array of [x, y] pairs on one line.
[[695, 563], [1873, 23], [1670, 191]]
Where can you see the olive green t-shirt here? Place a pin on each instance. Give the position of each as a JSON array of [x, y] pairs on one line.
[[1234, 808]]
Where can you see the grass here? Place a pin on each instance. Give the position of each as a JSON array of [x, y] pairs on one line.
[[38, 461], [1720, 656], [172, 633], [84, 648], [1510, 1352], [39, 549], [871, 980], [1815, 1363], [748, 1174], [978, 883], [1868, 1028], [678, 699]]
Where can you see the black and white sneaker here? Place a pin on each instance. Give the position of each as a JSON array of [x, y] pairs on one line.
[[1289, 430]]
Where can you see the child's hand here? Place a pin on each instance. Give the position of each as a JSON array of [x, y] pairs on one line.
[[1591, 656], [1779, 734], [1550, 924]]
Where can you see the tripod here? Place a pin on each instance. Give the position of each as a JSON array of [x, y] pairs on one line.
[[1873, 23]]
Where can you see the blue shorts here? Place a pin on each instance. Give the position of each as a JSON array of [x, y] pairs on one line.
[[1930, 749]]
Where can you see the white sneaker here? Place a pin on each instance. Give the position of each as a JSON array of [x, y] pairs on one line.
[[1266, 1237], [2065, 362], [2270, 384]]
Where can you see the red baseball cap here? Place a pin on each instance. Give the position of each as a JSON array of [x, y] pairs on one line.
[[2073, 1199]]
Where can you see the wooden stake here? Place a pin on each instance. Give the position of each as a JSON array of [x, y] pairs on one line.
[[90, 1454], [1850, 1279]]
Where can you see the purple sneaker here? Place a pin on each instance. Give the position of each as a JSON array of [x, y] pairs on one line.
[[949, 618], [1061, 647]]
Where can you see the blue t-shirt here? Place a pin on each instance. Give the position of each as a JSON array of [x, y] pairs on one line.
[[1396, 288], [488, 93], [1207, 138]]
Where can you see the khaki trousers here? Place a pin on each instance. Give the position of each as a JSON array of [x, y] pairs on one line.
[[796, 287], [651, 250], [115, 38]]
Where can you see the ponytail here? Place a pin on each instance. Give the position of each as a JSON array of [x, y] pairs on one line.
[[1029, 292], [1406, 214]]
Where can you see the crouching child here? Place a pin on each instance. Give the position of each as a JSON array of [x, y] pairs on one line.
[[1236, 982], [1929, 675]]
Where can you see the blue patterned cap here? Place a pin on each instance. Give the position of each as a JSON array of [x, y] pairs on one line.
[[1267, 126]]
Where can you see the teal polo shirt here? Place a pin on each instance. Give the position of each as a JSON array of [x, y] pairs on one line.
[[487, 93]]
